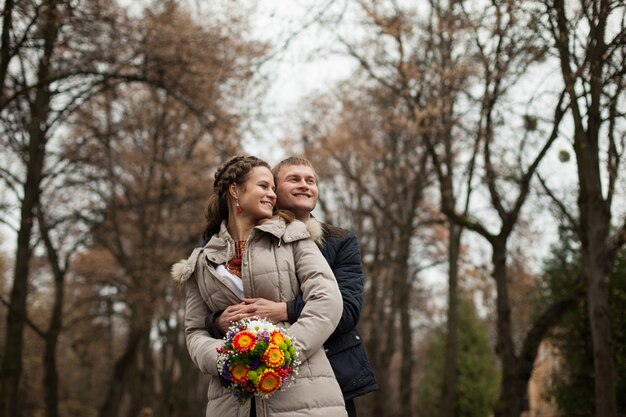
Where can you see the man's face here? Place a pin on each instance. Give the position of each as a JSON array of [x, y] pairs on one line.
[[296, 190]]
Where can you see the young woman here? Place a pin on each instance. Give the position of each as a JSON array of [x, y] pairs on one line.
[[249, 253]]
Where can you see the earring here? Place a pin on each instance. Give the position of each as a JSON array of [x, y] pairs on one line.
[[238, 208]]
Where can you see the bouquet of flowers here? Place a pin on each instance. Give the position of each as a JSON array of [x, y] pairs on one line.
[[257, 358]]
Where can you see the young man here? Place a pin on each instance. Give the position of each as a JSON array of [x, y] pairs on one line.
[[296, 191]]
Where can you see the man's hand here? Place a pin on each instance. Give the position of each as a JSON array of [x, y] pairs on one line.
[[251, 307], [264, 308]]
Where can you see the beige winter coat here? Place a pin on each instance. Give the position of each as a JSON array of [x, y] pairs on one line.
[[280, 260]]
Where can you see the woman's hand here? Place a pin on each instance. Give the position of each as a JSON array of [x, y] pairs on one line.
[[264, 308]]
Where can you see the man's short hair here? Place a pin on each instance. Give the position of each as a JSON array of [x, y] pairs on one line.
[[291, 161]]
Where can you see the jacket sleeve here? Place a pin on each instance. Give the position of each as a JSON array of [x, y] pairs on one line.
[[294, 308], [346, 266], [321, 296], [349, 274], [211, 326], [201, 347]]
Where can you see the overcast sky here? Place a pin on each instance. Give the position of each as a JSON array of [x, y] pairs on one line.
[[303, 64]]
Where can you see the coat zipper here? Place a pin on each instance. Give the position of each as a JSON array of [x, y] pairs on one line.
[[249, 264]]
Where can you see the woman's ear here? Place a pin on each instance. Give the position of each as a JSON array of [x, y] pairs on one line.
[[233, 191]]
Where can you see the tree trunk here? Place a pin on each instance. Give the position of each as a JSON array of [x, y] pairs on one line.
[[597, 300], [381, 339], [51, 376], [168, 397], [383, 351], [448, 394], [512, 390], [16, 318], [127, 366], [594, 209], [404, 291], [142, 390], [121, 370], [5, 48], [595, 221], [517, 369]]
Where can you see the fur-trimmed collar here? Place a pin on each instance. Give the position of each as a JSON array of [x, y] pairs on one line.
[[314, 228], [220, 247]]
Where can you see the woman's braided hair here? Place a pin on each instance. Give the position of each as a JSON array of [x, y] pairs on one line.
[[234, 171]]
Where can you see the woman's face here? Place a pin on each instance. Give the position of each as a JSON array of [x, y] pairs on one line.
[[257, 197]]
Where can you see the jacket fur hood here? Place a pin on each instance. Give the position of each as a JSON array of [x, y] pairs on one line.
[[182, 270]]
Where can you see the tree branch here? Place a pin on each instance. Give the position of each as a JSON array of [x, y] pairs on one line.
[[572, 223], [30, 324], [617, 241], [548, 319], [527, 177], [470, 224]]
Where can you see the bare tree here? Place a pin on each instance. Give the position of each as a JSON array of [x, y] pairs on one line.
[[77, 52], [506, 45], [446, 144], [593, 74], [380, 191], [151, 166], [59, 264], [36, 130], [150, 176]]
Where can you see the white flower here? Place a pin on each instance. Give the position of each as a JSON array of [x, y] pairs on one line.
[[260, 326]]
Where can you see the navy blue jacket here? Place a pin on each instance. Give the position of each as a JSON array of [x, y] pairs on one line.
[[344, 347]]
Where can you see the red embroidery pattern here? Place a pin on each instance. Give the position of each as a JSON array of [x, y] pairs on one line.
[[234, 265]]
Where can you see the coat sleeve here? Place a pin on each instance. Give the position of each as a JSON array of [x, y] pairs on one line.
[[201, 347], [349, 274], [321, 296], [345, 258]]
